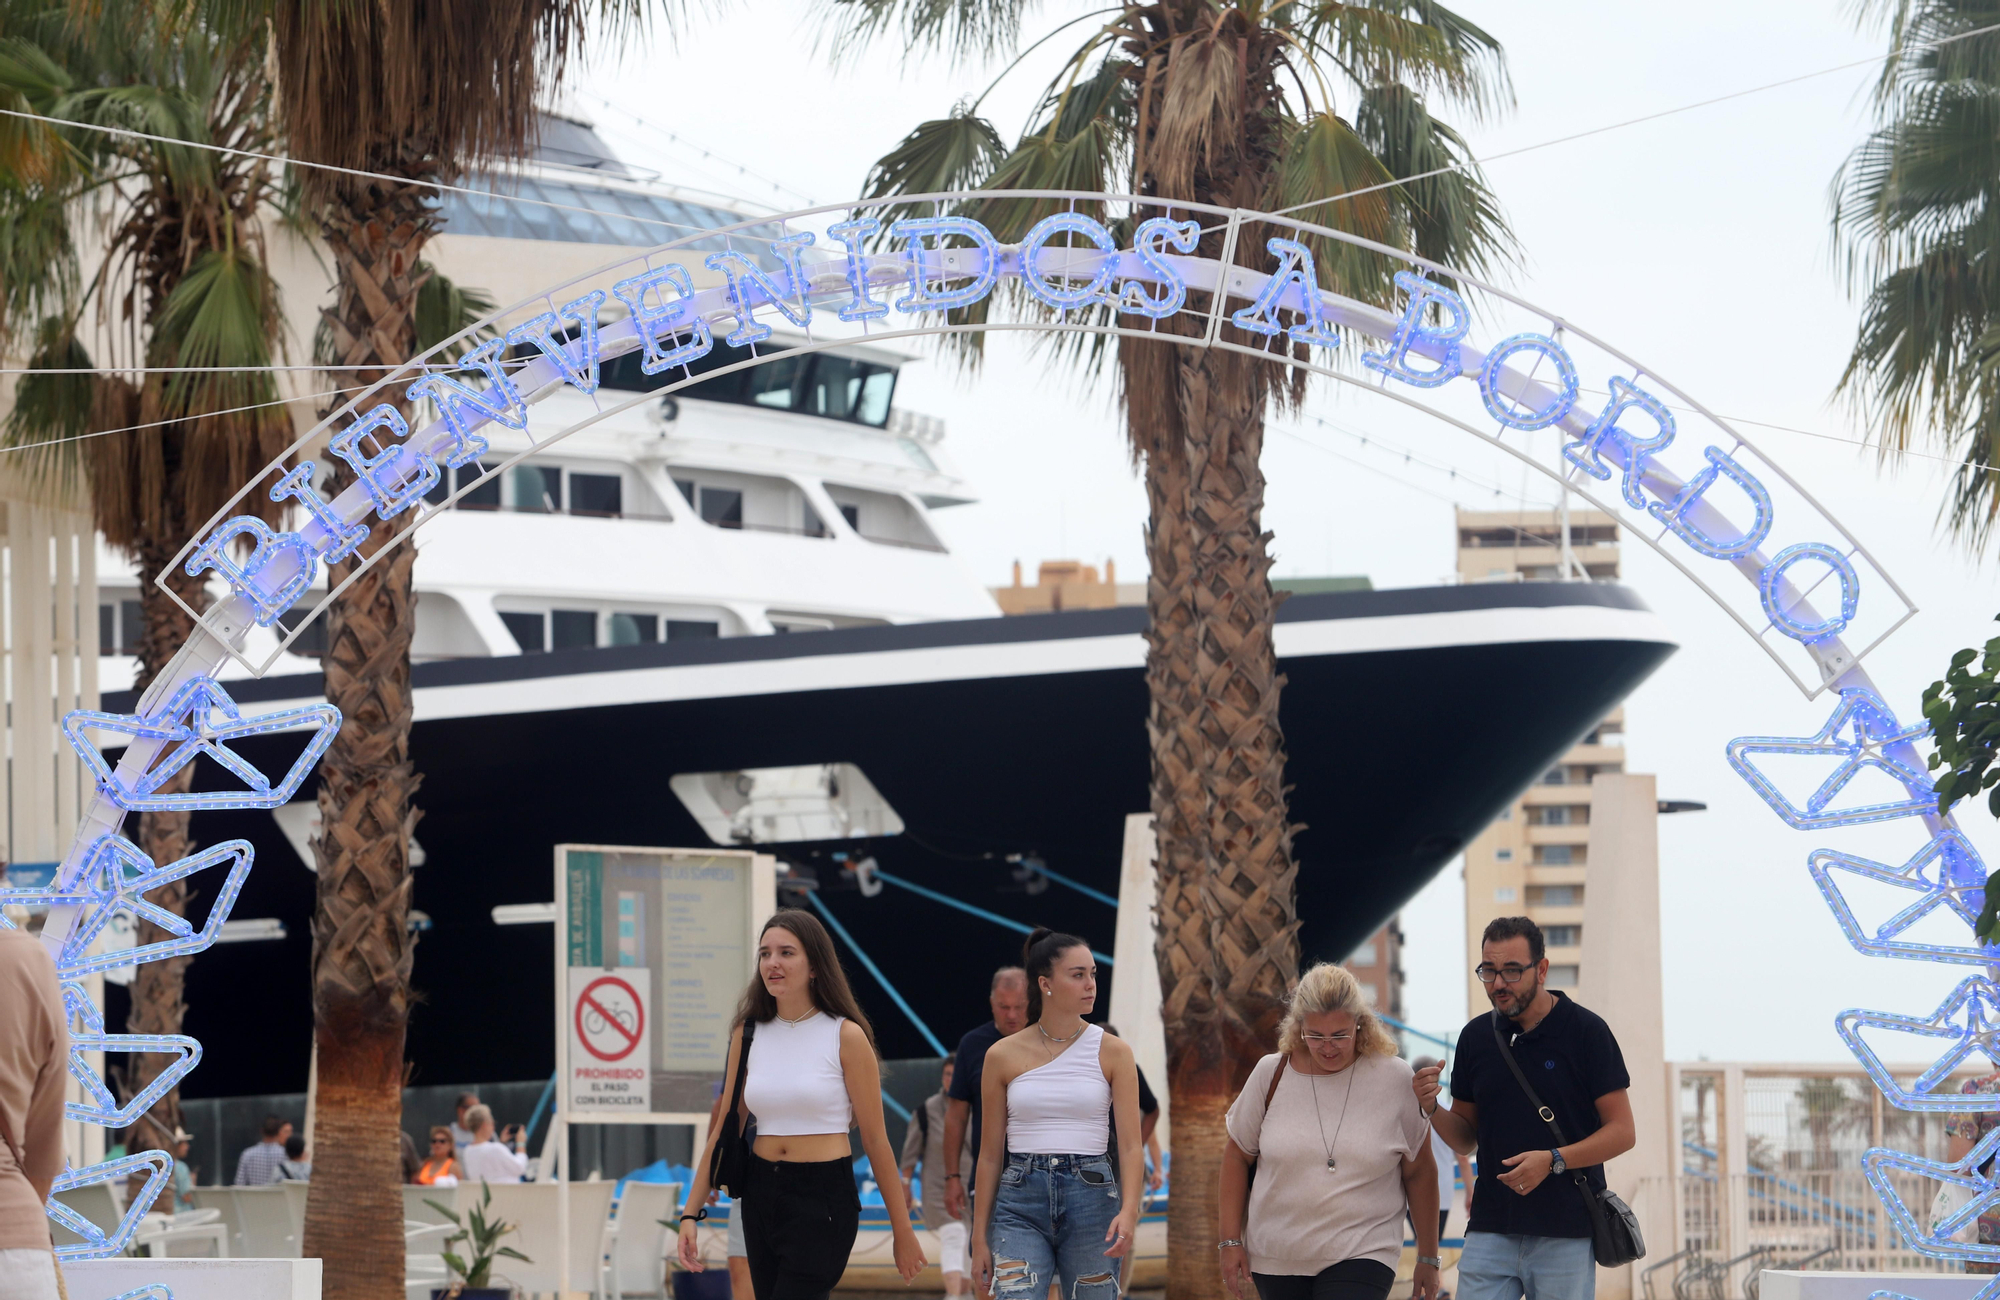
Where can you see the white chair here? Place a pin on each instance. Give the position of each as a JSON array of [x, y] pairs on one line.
[[170, 1234], [641, 1243], [531, 1207], [223, 1201], [271, 1220], [424, 1233], [96, 1203]]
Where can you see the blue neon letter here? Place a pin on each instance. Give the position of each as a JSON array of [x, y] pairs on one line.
[[985, 262], [1295, 268], [740, 268], [1150, 242], [1502, 408], [1076, 295], [341, 538], [581, 373], [1674, 513], [397, 475], [670, 317], [1586, 452], [1781, 614], [267, 602], [1414, 332], [851, 234], [499, 402]]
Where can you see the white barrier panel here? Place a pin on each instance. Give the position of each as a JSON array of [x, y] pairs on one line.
[[1780, 1284], [200, 1279]]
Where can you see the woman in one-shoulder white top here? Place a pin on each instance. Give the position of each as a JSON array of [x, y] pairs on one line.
[[1050, 1095], [811, 1074]]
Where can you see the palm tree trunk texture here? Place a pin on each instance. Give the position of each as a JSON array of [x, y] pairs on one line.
[[158, 987], [1227, 935], [362, 946]]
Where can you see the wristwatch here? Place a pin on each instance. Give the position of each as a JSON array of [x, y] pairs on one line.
[[1433, 1260], [1556, 1165]]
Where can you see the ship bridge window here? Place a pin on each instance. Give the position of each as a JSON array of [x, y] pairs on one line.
[[825, 384], [748, 502], [786, 805], [591, 214], [542, 489], [882, 517]]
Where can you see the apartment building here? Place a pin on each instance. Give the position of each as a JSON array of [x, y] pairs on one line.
[[1378, 967], [1534, 858]]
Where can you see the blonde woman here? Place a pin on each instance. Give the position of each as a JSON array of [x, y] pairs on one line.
[[1341, 1156]]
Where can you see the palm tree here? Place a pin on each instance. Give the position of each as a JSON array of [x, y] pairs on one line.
[[1233, 103], [412, 92], [179, 280], [1916, 210]]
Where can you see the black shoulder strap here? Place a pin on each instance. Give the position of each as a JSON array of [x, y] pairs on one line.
[[1507, 1055], [924, 1121], [743, 1064], [1270, 1092]]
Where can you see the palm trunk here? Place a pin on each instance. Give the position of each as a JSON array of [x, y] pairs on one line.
[[1227, 943], [362, 946], [159, 987]]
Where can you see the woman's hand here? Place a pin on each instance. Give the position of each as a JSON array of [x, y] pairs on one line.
[[1424, 1285], [1235, 1269], [690, 1252], [982, 1266], [1118, 1237], [909, 1254]]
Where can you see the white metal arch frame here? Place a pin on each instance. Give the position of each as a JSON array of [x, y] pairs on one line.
[[1711, 497]]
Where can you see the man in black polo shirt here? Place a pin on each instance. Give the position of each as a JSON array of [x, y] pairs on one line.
[[1530, 1229], [1009, 1000]]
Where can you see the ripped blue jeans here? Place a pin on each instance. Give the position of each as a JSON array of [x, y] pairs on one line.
[[1051, 1215]]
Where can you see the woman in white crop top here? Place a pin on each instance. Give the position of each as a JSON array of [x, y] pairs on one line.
[[812, 1076], [1052, 1203]]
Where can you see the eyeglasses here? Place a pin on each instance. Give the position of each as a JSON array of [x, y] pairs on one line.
[[1327, 1040], [1509, 974], [439, 1141]]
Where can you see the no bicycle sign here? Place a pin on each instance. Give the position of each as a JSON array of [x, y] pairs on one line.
[[610, 1065]]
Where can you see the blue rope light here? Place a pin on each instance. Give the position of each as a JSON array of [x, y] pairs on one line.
[[876, 971], [902, 1111], [962, 906]]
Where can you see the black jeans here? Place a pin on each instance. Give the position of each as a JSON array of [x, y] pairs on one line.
[[1350, 1279], [799, 1221]]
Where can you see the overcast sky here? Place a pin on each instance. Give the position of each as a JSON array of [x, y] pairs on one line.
[[1697, 243]]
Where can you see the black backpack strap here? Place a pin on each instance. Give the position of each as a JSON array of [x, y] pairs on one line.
[[924, 1121]]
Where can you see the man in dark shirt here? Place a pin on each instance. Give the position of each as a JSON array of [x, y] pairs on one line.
[[1009, 1000], [1530, 1230]]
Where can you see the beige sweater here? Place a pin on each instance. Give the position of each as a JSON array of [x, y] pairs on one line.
[[1303, 1216], [34, 1061]]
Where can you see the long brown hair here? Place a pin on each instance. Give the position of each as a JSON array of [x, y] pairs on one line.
[[830, 991]]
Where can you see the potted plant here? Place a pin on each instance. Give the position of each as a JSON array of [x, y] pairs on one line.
[[482, 1237]]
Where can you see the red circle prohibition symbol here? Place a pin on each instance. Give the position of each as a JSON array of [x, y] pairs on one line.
[[633, 1036]]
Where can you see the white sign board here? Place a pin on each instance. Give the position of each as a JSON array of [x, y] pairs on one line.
[[610, 1027]]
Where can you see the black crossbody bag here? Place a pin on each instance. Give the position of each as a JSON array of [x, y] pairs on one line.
[[729, 1166], [1614, 1230]]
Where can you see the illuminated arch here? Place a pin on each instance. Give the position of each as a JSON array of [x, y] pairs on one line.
[[1620, 437]]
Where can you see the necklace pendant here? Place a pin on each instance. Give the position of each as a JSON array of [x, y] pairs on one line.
[[1329, 1164]]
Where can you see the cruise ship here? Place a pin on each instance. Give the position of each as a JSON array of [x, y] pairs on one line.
[[726, 617]]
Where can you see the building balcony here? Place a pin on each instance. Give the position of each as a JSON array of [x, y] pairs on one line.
[[1597, 755], [1547, 875], [1573, 835], [1547, 916]]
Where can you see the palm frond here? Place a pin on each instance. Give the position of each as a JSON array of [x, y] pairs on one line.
[[1453, 217], [50, 411], [1324, 156], [958, 152], [966, 31], [1418, 43]]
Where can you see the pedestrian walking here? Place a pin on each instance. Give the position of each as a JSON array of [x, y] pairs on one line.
[[1340, 1154], [1008, 999], [257, 1166], [440, 1168], [924, 1143], [1052, 1203], [1530, 1231], [809, 1076], [34, 1060]]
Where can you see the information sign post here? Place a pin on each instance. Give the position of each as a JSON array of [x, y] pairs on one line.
[[654, 948]]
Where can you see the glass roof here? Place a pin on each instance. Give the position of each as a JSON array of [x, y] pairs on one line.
[[623, 218]]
